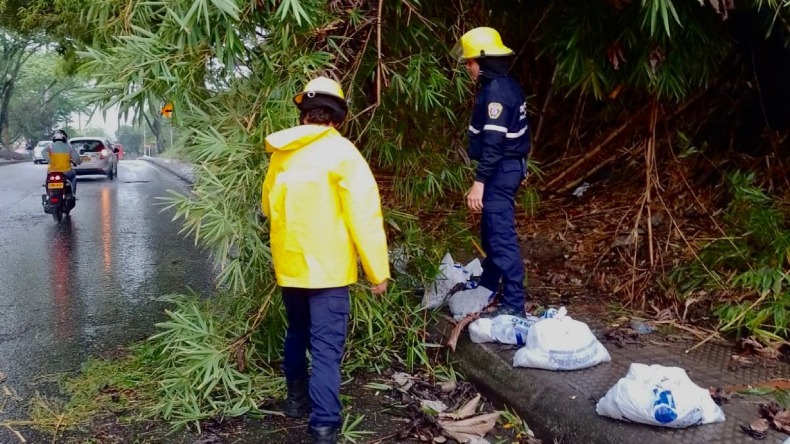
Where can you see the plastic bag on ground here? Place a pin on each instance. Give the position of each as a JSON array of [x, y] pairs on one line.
[[554, 313], [512, 330], [504, 329], [561, 343], [466, 302], [449, 276], [480, 331], [474, 269], [661, 396]]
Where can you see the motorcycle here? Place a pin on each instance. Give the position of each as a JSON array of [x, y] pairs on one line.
[[59, 199]]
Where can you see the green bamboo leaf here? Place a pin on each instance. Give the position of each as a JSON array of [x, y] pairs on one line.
[[228, 7]]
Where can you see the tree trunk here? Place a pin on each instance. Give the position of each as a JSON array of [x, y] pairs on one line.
[[8, 90], [16, 51], [154, 124]]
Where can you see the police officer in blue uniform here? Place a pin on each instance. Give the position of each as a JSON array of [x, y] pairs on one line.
[[499, 140]]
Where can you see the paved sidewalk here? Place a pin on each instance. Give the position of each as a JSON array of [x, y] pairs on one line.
[[182, 170], [561, 405]]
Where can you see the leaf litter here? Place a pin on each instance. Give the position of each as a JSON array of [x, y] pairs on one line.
[[439, 412]]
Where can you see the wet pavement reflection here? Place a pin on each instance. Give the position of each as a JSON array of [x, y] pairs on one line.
[[72, 290]]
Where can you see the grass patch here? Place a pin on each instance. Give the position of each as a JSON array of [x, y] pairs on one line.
[[745, 271]]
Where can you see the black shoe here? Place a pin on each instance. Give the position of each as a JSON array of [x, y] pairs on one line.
[[324, 435], [500, 310], [297, 403]]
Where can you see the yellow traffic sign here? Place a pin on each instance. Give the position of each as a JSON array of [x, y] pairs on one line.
[[167, 110]]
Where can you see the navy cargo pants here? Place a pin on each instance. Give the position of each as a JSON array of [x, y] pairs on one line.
[[498, 234], [317, 321]]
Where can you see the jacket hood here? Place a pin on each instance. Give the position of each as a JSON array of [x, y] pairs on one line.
[[297, 137]]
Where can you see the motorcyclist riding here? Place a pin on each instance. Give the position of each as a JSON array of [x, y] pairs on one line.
[[60, 156]]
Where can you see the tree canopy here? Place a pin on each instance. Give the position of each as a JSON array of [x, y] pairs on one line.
[[44, 98]]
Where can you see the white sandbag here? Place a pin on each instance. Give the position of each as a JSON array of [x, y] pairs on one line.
[[561, 343], [466, 302], [661, 396], [513, 330], [480, 331], [450, 275]]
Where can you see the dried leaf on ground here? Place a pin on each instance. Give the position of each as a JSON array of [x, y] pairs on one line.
[[404, 380], [782, 421], [768, 411], [756, 434], [434, 406], [468, 409], [738, 362], [622, 336], [751, 345], [720, 396], [466, 429], [759, 425], [448, 386]]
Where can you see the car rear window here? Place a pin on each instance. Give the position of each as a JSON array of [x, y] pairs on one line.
[[42, 144], [88, 146]]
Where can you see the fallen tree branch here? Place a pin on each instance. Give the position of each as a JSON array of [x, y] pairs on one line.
[[459, 327]]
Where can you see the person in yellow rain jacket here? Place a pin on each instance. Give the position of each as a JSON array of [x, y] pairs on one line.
[[324, 210], [60, 156]]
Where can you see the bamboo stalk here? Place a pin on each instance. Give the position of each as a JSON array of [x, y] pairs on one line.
[[18, 435], [57, 429], [378, 54], [596, 149]]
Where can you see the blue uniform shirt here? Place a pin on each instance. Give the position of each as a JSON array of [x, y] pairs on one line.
[[499, 128]]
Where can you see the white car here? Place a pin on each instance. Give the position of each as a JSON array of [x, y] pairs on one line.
[[38, 151], [98, 157]]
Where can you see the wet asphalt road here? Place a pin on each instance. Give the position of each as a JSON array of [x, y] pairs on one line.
[[71, 291]]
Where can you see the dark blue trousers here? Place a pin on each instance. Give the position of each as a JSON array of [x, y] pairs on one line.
[[317, 321], [498, 233], [71, 176]]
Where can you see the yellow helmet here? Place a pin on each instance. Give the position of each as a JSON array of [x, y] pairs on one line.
[[480, 42], [320, 85]]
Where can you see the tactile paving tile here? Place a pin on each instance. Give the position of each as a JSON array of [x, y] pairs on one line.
[[707, 366]]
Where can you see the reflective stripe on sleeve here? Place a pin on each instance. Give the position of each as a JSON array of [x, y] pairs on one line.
[[497, 128], [502, 129], [518, 134]]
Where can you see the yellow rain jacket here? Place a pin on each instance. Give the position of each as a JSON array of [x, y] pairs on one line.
[[60, 155], [324, 210]]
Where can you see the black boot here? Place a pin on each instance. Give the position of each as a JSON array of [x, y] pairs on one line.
[[324, 435], [297, 403]]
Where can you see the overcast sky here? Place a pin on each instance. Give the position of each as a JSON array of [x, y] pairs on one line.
[[109, 121]]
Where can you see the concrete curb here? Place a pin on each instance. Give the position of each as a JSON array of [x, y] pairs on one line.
[[554, 411], [12, 162], [168, 165]]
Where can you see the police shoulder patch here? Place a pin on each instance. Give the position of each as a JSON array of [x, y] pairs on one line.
[[494, 110]]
